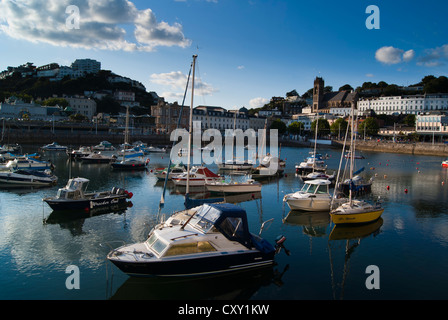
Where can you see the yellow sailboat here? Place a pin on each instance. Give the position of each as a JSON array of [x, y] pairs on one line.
[[355, 211]]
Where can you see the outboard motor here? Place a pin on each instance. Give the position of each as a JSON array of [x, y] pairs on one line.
[[279, 245]]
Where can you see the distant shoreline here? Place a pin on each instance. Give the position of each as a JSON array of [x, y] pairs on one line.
[[75, 139]]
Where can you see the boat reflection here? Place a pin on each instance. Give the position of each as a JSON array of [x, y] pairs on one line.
[[348, 232], [313, 223], [73, 220], [234, 286], [347, 238]]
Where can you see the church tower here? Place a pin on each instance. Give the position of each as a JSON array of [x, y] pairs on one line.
[[318, 94]]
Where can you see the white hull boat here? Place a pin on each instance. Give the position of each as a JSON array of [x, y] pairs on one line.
[[234, 187], [314, 196]]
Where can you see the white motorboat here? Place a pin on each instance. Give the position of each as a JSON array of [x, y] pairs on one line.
[[197, 177], [27, 178], [235, 165], [318, 175], [314, 196], [174, 172], [104, 146], [54, 147], [312, 163], [81, 152], [152, 149], [209, 239], [28, 163], [233, 187], [135, 161], [98, 157]]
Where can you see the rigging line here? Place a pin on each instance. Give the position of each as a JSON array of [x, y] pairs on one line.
[[201, 85], [179, 121]]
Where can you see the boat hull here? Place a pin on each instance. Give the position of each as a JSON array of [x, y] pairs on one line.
[[134, 166], [85, 204], [309, 204], [233, 188], [221, 263], [355, 218]]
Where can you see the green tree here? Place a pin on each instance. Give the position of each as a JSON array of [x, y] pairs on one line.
[[56, 101], [292, 93], [339, 127], [346, 87], [369, 126], [323, 129], [296, 128], [409, 120], [279, 125]]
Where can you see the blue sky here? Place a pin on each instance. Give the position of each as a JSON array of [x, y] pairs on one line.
[[249, 50]]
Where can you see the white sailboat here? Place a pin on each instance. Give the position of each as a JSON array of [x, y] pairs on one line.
[[355, 211]]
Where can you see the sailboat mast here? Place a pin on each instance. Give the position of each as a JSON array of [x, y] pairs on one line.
[[190, 130], [352, 156], [315, 141]]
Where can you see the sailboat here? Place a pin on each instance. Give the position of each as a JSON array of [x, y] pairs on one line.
[[133, 160], [355, 211]]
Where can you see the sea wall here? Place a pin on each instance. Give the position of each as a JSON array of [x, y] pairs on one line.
[[420, 148]]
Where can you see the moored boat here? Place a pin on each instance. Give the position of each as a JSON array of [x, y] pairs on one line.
[[314, 196], [54, 147], [355, 212], [445, 163], [197, 177], [97, 157], [74, 196], [28, 163], [27, 178], [209, 239], [250, 185]]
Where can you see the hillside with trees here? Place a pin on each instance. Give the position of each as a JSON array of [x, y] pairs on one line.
[[42, 89]]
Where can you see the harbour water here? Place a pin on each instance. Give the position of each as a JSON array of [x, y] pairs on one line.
[[408, 245]]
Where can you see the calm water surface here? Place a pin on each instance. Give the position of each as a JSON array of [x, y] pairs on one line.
[[409, 244]]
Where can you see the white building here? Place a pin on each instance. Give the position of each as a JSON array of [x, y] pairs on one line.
[[412, 104], [14, 108], [435, 122], [84, 106], [86, 65], [221, 119]]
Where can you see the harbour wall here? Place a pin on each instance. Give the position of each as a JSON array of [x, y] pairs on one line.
[[76, 138], [419, 148]]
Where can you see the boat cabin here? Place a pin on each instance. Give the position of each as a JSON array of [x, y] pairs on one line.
[[318, 186], [214, 227], [75, 189]]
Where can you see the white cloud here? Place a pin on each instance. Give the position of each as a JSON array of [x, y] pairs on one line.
[[101, 25], [369, 75], [391, 55], [240, 67], [434, 57], [176, 82], [408, 55], [257, 102]]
